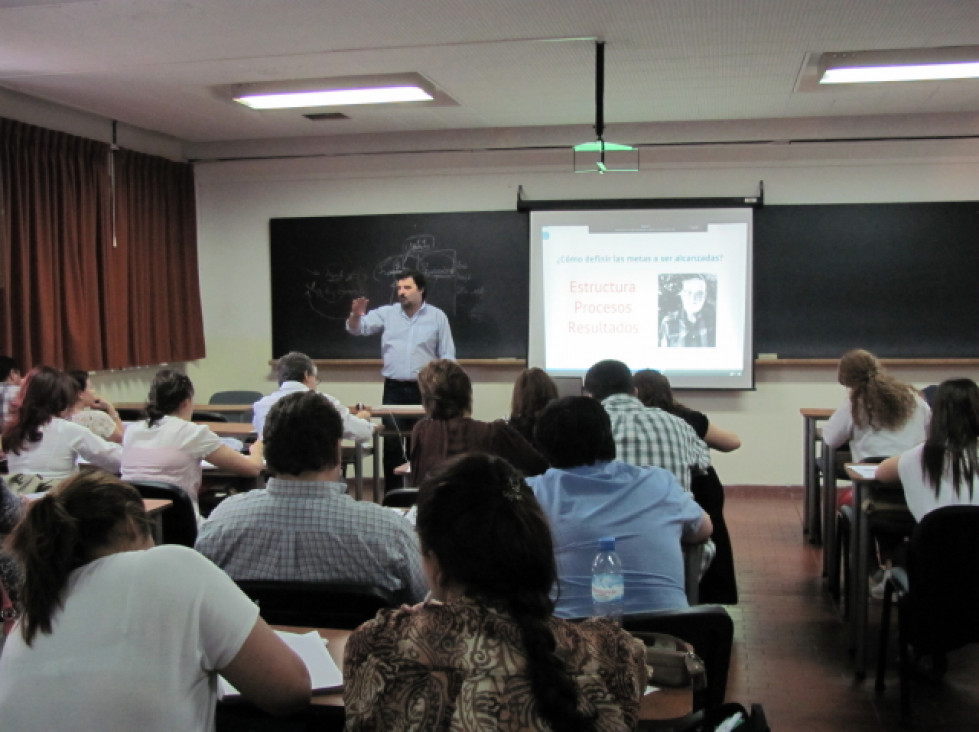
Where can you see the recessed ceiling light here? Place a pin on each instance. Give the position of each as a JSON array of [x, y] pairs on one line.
[[333, 92], [833, 69], [922, 72], [335, 97]]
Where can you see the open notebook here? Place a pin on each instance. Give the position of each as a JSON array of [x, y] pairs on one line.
[[323, 671]]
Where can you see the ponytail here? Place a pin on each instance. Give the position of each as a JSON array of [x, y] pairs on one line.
[[63, 531], [167, 392], [554, 690], [46, 540]]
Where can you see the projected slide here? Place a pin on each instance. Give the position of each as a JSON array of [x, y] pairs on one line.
[[664, 289]]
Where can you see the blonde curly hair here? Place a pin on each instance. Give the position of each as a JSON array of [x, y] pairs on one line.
[[877, 399]]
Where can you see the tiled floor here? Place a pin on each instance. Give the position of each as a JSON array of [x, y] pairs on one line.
[[790, 649]]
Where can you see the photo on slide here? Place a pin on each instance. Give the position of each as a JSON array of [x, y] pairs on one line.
[[688, 310]]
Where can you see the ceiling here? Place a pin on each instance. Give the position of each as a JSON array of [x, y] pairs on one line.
[[512, 66]]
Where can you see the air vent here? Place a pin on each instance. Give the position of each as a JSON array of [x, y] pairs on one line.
[[320, 116]]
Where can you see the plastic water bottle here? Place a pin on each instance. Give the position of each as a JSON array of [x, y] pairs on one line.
[[607, 582]]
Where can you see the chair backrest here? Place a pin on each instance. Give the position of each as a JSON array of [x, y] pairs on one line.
[[318, 604], [944, 599], [128, 414], [400, 497], [235, 397], [205, 416], [708, 628], [693, 560], [568, 385], [180, 520]]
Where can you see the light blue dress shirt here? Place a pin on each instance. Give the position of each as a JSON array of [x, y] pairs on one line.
[[647, 512], [408, 344]]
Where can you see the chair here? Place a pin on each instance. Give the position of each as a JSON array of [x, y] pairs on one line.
[[205, 416], [709, 629], [937, 594], [318, 604], [693, 560], [180, 520], [237, 397], [400, 498], [128, 414]]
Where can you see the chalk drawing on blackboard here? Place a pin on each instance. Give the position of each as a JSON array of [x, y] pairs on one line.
[[325, 290], [444, 272]]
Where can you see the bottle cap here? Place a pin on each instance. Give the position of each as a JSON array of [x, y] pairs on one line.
[[606, 544]]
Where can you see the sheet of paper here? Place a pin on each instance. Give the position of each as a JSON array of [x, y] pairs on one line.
[[864, 471], [323, 671]]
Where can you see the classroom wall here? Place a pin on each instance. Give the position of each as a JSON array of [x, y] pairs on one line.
[[237, 199]]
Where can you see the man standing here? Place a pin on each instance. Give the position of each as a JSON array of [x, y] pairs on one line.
[[302, 526], [412, 334], [9, 386], [587, 495], [645, 435], [694, 324], [296, 372]]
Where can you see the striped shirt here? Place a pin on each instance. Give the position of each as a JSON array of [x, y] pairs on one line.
[[647, 436]]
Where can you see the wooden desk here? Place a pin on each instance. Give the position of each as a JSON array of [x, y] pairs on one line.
[[154, 509], [241, 430], [219, 408], [865, 490], [810, 478], [388, 410], [662, 704]]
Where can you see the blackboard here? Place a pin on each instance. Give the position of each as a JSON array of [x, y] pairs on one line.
[[901, 280], [476, 264]]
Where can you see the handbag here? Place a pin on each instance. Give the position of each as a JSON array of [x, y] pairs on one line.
[[671, 662]]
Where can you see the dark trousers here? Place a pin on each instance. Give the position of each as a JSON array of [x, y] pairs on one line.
[[397, 446]]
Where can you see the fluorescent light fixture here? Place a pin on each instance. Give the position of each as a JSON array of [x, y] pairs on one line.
[[335, 92], [909, 64], [335, 97], [925, 72]]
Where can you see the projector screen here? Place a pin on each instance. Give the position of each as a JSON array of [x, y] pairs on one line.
[[668, 289]]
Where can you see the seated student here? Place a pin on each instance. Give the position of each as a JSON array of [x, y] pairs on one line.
[[533, 390], [120, 635], [944, 469], [297, 372], [9, 387], [38, 439], [719, 584], [448, 430], [303, 526], [645, 436], [169, 447], [881, 416], [12, 508], [92, 411], [588, 494], [485, 652]]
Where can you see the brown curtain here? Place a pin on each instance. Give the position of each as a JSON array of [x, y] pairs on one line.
[[154, 262], [70, 295]]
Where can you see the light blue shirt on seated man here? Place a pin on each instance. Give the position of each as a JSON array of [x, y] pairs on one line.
[[408, 343], [647, 512]]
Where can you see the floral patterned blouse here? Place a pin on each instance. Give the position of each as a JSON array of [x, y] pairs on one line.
[[461, 667]]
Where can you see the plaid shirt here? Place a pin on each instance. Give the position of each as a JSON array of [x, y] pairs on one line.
[[313, 532], [7, 394], [647, 436]]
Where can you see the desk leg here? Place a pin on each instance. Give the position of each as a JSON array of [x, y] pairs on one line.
[[859, 549], [808, 482], [376, 449], [359, 469]]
